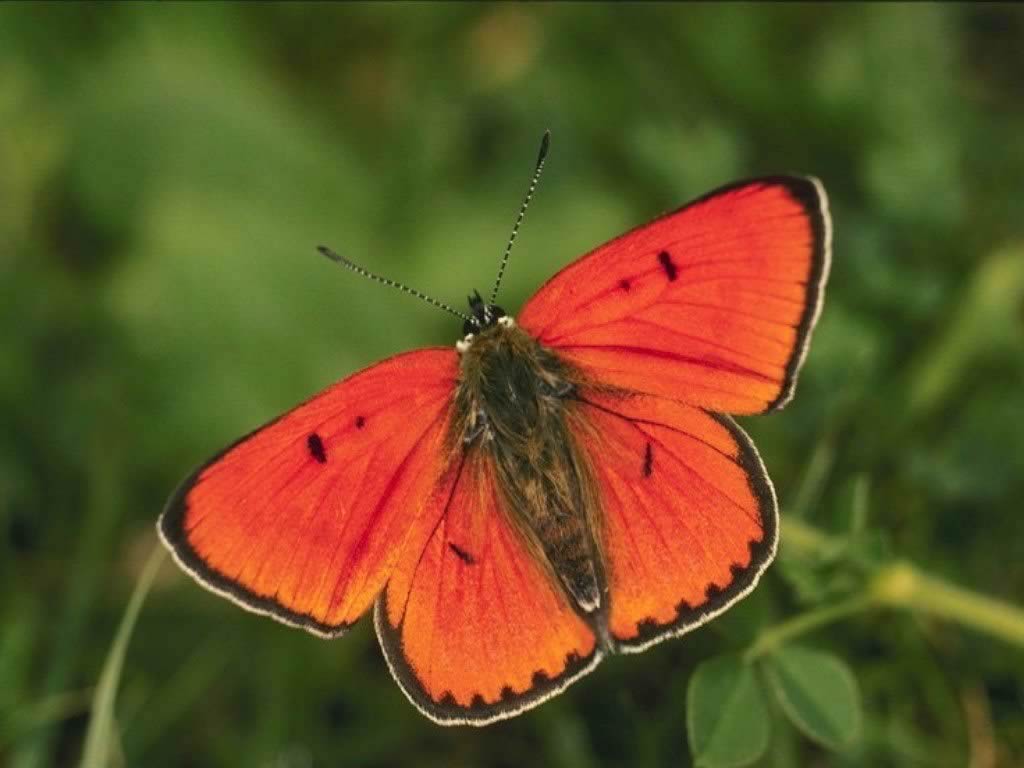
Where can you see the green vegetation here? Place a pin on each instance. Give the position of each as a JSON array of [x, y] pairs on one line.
[[166, 172]]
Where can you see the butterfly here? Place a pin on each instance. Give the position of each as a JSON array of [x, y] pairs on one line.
[[559, 486]]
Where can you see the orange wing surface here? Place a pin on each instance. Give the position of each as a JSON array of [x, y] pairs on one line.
[[690, 519], [305, 518], [473, 626], [712, 305], [360, 496]]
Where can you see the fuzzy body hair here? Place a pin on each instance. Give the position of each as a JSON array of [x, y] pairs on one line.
[[516, 413]]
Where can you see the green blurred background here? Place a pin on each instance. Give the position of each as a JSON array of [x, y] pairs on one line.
[[165, 173]]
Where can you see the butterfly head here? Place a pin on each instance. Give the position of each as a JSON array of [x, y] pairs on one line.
[[484, 315]]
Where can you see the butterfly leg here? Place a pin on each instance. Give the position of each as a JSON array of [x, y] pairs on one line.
[[559, 389], [478, 426]]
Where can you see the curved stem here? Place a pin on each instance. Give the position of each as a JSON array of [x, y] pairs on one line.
[[100, 737], [779, 634], [903, 585], [899, 584]]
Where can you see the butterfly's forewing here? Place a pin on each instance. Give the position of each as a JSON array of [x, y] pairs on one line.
[[473, 626], [690, 519], [712, 305], [304, 518]]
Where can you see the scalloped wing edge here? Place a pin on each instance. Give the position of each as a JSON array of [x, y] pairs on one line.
[[447, 714], [761, 556]]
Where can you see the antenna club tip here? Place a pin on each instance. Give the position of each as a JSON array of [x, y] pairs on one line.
[[323, 250], [545, 144]]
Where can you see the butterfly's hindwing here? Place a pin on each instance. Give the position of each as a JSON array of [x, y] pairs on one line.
[[691, 520], [472, 625]]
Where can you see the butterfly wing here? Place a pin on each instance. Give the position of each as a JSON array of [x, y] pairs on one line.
[[712, 304], [689, 515], [357, 496], [304, 518], [472, 624], [707, 309]]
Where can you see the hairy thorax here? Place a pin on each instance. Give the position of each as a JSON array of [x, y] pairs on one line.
[[516, 408]]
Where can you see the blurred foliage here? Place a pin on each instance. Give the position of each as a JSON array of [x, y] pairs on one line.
[[165, 173]]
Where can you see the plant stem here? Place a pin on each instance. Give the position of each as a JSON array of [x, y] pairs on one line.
[[898, 584], [101, 741], [775, 636], [905, 586]]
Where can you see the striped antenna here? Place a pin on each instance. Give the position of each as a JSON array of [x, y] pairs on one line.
[[339, 259], [545, 142]]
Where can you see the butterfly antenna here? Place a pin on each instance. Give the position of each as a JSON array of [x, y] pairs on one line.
[[339, 259], [541, 156]]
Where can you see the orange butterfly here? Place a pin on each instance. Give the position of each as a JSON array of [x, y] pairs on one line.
[[557, 487]]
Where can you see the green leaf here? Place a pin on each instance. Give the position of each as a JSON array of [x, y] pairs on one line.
[[726, 716], [818, 693]]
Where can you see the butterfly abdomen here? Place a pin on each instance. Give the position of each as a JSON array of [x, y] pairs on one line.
[[513, 406]]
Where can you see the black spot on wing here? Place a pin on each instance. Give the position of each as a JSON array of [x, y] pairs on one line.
[[742, 577], [462, 554], [625, 285], [669, 266], [648, 460], [360, 422], [175, 536], [316, 448]]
